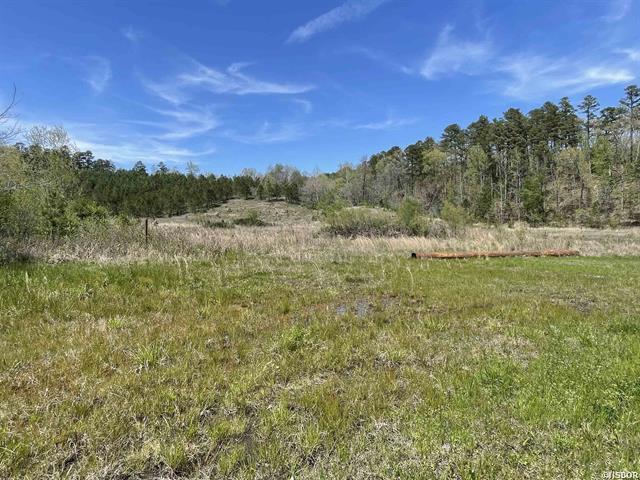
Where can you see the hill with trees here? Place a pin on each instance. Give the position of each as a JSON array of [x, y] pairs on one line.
[[557, 163]]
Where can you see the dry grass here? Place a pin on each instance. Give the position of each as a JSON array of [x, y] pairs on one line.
[[294, 234], [274, 213], [306, 242]]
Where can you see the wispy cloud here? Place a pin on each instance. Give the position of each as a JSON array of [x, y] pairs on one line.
[[132, 147], [532, 76], [452, 55], [381, 58], [268, 133], [305, 105], [124, 144], [132, 34], [186, 123], [127, 153], [348, 11], [232, 81], [632, 54], [388, 123], [617, 10], [94, 70], [98, 72], [528, 75], [169, 91]]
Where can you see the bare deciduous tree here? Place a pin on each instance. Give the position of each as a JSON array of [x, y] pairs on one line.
[[46, 137]]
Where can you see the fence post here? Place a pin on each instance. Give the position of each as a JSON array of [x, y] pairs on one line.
[[146, 232]]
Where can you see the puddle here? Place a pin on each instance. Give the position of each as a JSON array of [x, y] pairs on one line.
[[362, 308]]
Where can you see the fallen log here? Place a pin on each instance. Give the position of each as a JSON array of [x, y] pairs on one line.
[[453, 255]]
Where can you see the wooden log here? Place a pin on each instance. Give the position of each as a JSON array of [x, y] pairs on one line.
[[524, 253]]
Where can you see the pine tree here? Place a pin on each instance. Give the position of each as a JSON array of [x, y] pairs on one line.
[[589, 107], [631, 102]]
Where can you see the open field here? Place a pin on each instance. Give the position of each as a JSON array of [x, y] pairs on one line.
[[277, 352], [295, 233]]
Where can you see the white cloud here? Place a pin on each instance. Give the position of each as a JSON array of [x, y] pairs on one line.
[[124, 145], [179, 123], [532, 76], [305, 105], [452, 55], [129, 152], [348, 11], [527, 75], [235, 82], [97, 72], [381, 58], [268, 133], [168, 91], [232, 81], [617, 10], [387, 124], [632, 54], [186, 123], [131, 34]]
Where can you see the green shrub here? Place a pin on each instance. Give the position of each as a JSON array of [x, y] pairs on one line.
[[374, 222], [89, 210], [360, 221], [454, 215], [590, 218], [251, 220], [409, 211]]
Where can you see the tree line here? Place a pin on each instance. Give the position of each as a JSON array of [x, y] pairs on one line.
[[166, 192], [47, 187], [557, 163]]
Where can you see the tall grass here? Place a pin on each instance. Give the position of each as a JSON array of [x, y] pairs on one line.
[[306, 242], [351, 232]]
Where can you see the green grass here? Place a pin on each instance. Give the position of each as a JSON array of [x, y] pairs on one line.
[[259, 367]]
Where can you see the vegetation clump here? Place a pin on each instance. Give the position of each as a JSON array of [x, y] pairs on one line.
[[363, 221], [252, 219], [379, 222]]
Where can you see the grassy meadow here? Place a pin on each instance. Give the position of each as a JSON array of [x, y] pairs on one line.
[[276, 352]]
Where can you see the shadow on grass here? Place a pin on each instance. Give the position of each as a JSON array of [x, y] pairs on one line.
[[12, 256]]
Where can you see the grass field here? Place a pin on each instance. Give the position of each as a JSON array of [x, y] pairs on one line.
[[255, 366], [279, 352]]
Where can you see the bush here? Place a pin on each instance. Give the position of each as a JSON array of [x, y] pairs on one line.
[[409, 211], [89, 210], [438, 228], [455, 216], [374, 222], [251, 220], [360, 221]]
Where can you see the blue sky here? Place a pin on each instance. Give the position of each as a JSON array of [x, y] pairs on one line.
[[230, 84]]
